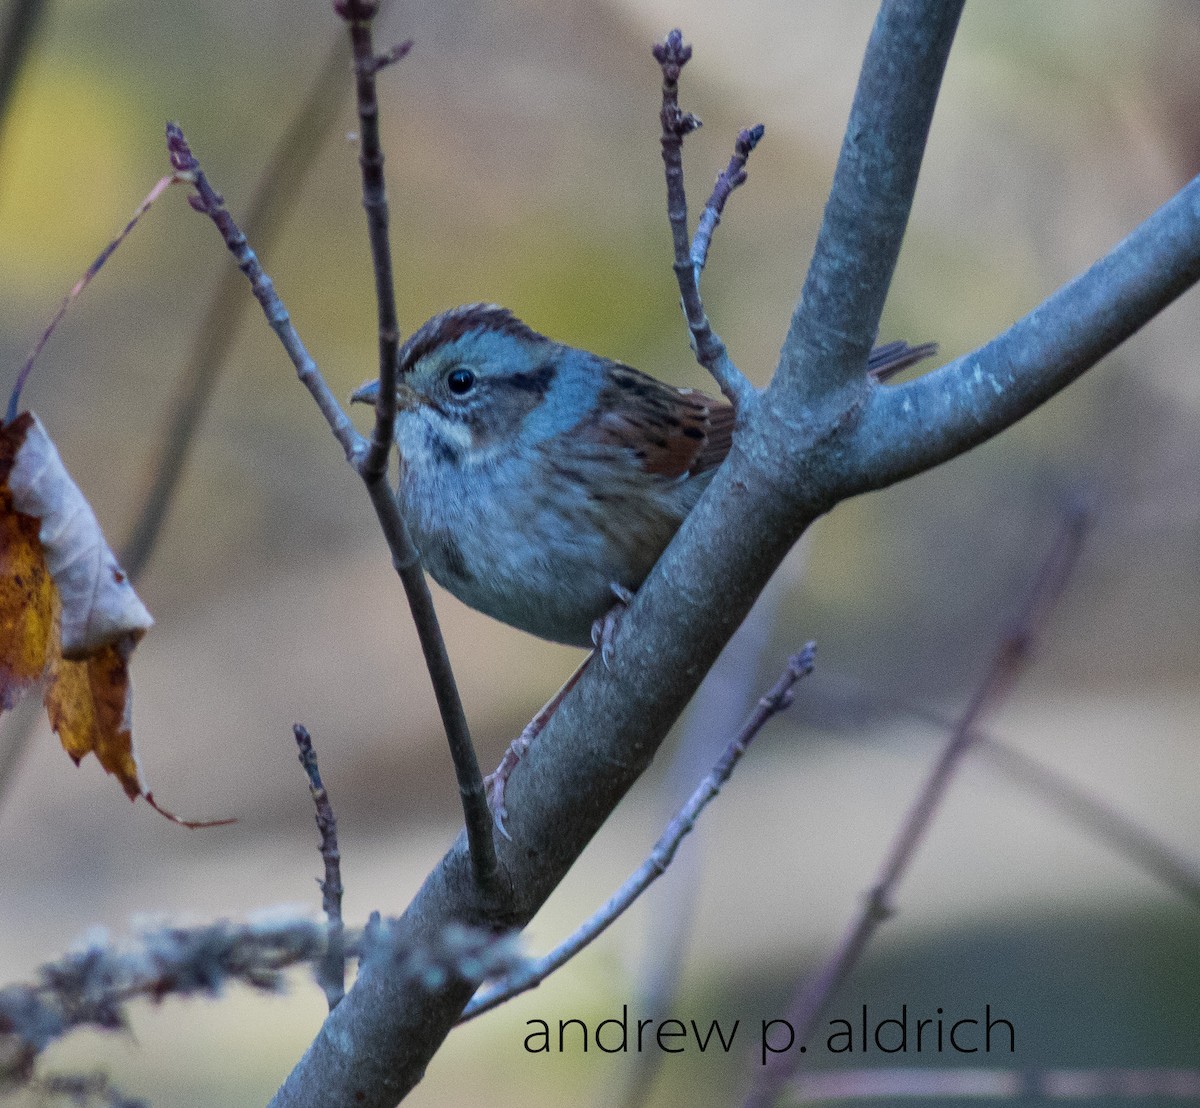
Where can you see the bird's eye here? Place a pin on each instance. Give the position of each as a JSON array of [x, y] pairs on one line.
[[460, 381]]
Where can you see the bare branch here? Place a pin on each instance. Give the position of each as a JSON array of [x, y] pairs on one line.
[[534, 972], [732, 177], [837, 317], [93, 985], [404, 555], [672, 55], [208, 202], [922, 423], [14, 398], [331, 972], [997, 1084], [360, 14]]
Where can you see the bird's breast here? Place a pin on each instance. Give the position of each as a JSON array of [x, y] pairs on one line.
[[534, 543]]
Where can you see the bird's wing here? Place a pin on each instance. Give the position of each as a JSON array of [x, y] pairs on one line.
[[673, 433]]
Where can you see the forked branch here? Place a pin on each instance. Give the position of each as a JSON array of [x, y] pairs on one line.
[[206, 200], [672, 55]]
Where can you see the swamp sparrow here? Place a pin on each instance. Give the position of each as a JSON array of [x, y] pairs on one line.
[[539, 481]]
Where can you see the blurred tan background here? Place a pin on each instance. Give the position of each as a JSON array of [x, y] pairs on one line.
[[524, 168]]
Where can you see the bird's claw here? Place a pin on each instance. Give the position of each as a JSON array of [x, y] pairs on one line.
[[604, 630], [496, 781], [494, 784]]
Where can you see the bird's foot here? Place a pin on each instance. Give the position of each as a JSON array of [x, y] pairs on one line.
[[604, 630], [496, 781]]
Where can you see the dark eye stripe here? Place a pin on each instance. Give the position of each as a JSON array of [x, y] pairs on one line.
[[536, 380]]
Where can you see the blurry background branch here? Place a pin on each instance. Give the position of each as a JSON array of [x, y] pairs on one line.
[[16, 41], [998, 1084], [1013, 653], [279, 187]]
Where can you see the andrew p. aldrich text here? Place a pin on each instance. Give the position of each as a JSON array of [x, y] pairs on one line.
[[869, 1030]]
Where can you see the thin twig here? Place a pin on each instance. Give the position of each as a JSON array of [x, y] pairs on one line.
[[535, 971], [672, 55], [359, 14], [331, 970], [1012, 654], [718, 708], [404, 555], [733, 176], [208, 202], [14, 399]]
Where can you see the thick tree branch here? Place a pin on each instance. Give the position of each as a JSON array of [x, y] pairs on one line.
[[912, 427], [835, 322]]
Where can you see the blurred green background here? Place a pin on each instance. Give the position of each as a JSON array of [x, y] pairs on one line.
[[523, 167]]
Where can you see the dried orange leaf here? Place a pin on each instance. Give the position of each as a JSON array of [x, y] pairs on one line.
[[99, 606], [66, 609], [26, 591], [88, 703]]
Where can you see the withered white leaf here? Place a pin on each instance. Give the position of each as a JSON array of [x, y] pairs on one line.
[[99, 605]]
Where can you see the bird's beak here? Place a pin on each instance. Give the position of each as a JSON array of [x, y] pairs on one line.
[[368, 393]]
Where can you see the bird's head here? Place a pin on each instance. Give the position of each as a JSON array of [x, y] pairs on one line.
[[468, 380]]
